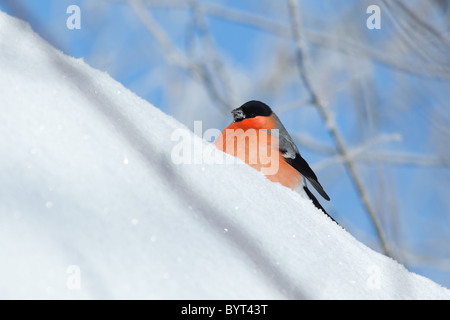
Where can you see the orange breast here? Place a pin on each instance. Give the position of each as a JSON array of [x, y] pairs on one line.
[[259, 149]]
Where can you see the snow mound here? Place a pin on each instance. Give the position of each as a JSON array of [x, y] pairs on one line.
[[92, 206]]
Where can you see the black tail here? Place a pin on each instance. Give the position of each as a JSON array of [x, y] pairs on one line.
[[316, 202]]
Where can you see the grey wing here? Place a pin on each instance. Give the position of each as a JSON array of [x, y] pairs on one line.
[[292, 156], [287, 145]]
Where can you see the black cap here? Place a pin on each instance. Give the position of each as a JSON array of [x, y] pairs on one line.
[[251, 109]]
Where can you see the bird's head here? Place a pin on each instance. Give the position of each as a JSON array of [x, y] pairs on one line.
[[251, 109]]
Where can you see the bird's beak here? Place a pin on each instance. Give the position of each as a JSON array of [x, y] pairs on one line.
[[238, 114]]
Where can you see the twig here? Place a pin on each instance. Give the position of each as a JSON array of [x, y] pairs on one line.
[[212, 56], [404, 35], [426, 30], [176, 57]]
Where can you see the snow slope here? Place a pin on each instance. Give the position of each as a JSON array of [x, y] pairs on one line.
[[92, 206]]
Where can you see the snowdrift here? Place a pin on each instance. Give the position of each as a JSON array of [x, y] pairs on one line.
[[92, 205]]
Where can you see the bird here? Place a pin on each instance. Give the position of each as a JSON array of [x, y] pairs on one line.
[[256, 136]]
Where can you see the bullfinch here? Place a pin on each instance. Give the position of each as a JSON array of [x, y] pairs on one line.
[[259, 138]]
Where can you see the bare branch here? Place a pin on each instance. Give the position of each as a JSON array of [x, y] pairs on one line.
[[176, 57], [331, 126], [220, 72], [420, 26], [410, 40]]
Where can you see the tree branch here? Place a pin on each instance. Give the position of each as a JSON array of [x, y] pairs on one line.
[[331, 125], [176, 57]]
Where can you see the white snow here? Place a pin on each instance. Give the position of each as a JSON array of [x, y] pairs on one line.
[[91, 205]]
